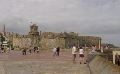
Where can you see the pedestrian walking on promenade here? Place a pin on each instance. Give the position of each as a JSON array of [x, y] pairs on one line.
[[54, 51], [58, 51], [117, 59], [30, 50], [81, 55], [24, 51], [2, 50], [74, 53], [38, 49], [93, 49]]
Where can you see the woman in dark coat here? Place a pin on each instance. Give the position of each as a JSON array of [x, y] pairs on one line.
[[58, 51]]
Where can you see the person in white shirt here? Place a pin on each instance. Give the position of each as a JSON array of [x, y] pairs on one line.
[[74, 52], [81, 55], [54, 51], [93, 48]]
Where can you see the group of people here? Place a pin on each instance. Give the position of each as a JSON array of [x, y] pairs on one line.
[[75, 51], [24, 50], [5, 49], [79, 51], [56, 51], [30, 50]]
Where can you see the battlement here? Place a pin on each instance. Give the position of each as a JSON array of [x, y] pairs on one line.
[[16, 35], [59, 35]]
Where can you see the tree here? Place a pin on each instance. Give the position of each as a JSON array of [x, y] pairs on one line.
[[2, 39]]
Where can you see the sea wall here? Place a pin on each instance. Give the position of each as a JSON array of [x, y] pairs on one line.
[[100, 65]]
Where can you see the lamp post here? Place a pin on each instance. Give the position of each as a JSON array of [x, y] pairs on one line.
[[100, 43]]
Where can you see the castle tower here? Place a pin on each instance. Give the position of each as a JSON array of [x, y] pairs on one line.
[[34, 30], [34, 35]]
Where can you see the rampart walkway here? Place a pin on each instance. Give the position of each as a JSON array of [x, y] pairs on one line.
[[42, 63]]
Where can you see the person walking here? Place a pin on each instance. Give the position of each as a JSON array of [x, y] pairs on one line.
[[38, 49], [81, 55], [58, 51], [24, 51], [54, 52], [74, 53], [117, 59], [93, 49], [30, 49], [1, 50]]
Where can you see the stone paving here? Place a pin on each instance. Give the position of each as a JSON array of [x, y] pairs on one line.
[[42, 63]]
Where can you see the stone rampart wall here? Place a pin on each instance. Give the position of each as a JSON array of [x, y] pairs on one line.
[[99, 65], [51, 43], [21, 42]]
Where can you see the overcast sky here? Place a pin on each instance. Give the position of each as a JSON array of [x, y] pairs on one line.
[[87, 17]]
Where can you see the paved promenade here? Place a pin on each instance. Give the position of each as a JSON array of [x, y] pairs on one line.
[[42, 63]]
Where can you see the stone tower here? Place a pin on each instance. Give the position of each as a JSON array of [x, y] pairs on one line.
[[34, 30], [34, 35]]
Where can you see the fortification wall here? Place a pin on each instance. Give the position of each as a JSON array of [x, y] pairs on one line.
[[100, 65], [63, 40], [21, 42], [51, 43]]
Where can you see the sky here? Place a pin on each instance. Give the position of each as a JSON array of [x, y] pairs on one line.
[[86, 17]]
